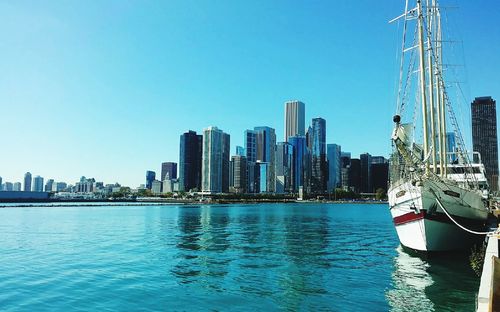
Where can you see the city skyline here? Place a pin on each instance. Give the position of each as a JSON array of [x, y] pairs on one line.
[[117, 93]]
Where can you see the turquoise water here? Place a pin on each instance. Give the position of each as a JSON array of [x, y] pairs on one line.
[[307, 257]]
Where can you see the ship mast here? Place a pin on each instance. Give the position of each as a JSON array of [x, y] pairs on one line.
[[440, 95], [431, 83], [423, 97]]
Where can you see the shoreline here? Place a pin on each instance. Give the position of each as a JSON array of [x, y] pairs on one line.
[[123, 203]]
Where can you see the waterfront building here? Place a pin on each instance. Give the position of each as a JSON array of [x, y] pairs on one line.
[[85, 185], [8, 187], [252, 177], [319, 165], [168, 170], [250, 138], [283, 168], [240, 151], [27, 182], [215, 161], [355, 175], [333, 152], [299, 161], [16, 186], [379, 173], [1, 185], [150, 177], [156, 187], [168, 186], [263, 186], [294, 119], [345, 166], [484, 136], [365, 173], [38, 184], [49, 185], [190, 156], [266, 153], [59, 186], [239, 174], [451, 146]]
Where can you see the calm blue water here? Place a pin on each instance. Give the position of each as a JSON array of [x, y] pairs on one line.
[[310, 257]]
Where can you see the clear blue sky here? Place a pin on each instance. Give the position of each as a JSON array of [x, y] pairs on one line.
[[105, 88]]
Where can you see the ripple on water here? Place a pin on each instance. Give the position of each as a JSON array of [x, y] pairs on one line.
[[222, 258]]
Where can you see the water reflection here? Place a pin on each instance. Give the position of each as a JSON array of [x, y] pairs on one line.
[[410, 279], [202, 238], [438, 283]]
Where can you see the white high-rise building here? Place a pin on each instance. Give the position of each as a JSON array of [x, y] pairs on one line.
[[294, 119], [215, 161]]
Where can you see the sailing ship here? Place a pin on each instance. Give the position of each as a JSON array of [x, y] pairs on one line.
[[437, 197]]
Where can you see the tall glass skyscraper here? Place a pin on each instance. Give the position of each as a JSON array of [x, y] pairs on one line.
[[333, 152], [262, 185], [168, 171], [266, 153], [27, 182], [294, 119], [240, 151], [299, 155], [451, 146], [284, 163], [190, 155], [250, 145], [366, 173], [345, 169], [484, 136], [319, 166], [215, 161], [150, 177]]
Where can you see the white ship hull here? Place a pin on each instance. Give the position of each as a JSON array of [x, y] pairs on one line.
[[423, 226]]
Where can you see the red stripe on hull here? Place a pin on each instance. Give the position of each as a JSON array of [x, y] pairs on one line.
[[408, 217]]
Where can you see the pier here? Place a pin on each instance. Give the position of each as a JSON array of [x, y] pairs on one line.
[[488, 297]]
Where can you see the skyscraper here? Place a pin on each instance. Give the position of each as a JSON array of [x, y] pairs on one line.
[[215, 162], [294, 119], [333, 152], [251, 145], [319, 165], [239, 174], [48, 185], [355, 175], [27, 182], [240, 151], [299, 158], [150, 177], [16, 186], [484, 136], [379, 173], [284, 163], [8, 186], [168, 171], [262, 185], [451, 146], [266, 152], [190, 154], [366, 173], [38, 184], [345, 169]]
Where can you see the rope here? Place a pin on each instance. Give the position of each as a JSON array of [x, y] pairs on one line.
[[489, 233]]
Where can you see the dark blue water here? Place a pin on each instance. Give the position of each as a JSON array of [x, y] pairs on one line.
[[307, 257]]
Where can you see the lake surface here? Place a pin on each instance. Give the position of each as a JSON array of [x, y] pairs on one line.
[[267, 257]]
